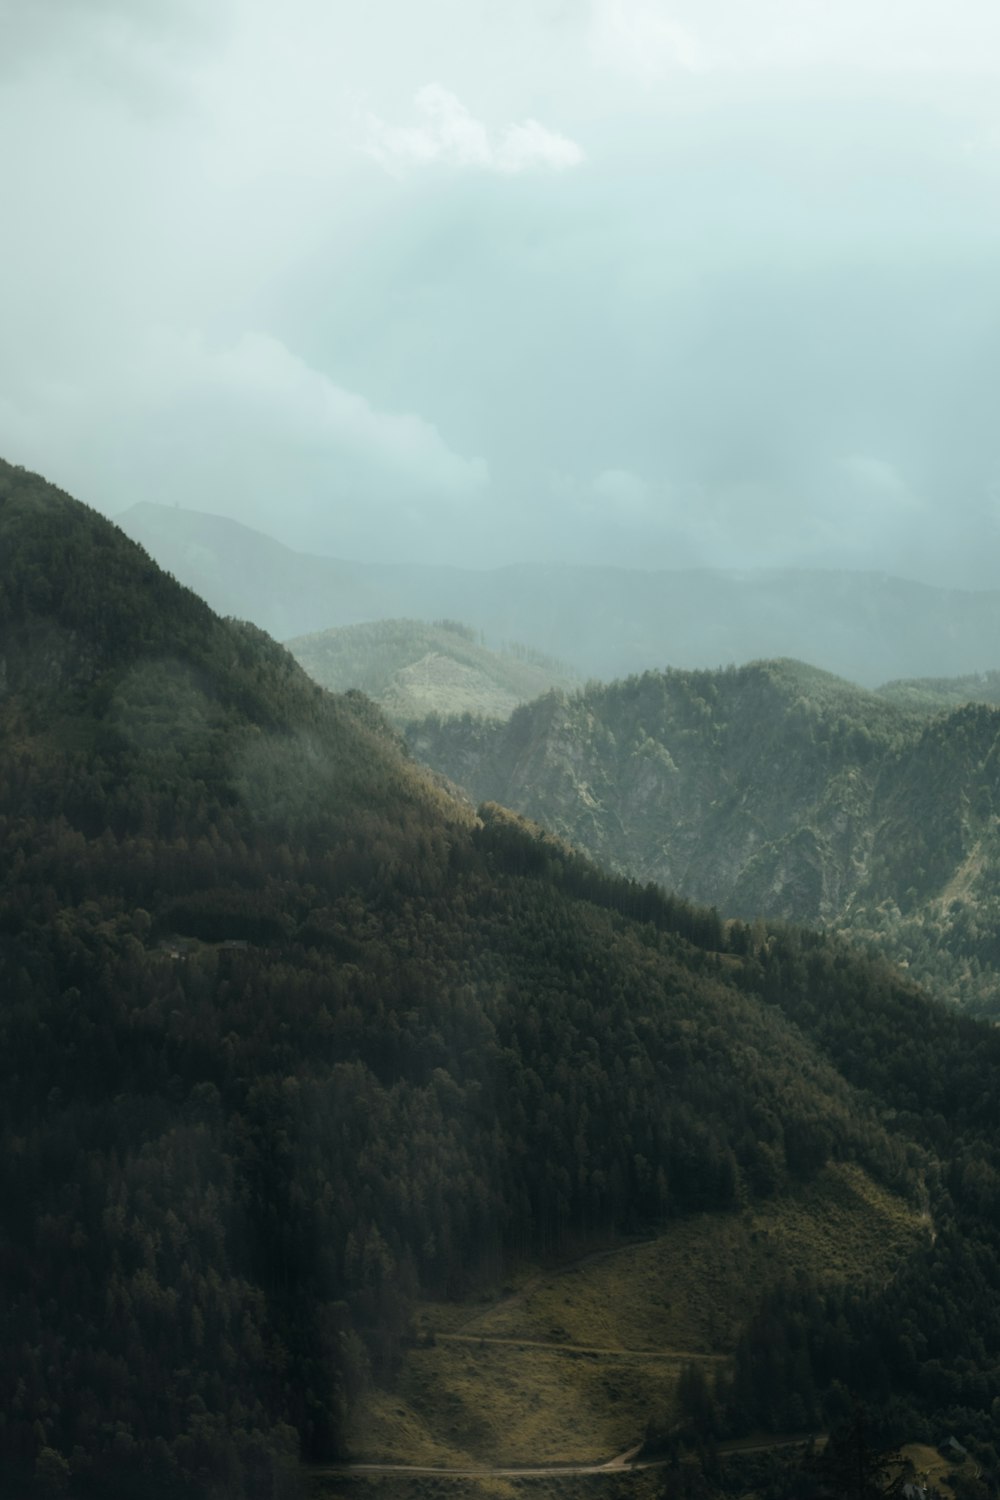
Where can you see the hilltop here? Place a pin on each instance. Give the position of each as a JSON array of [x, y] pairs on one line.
[[411, 668], [293, 1045], [770, 790]]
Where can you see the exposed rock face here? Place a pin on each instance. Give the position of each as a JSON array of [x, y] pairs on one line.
[[769, 790], [707, 795]]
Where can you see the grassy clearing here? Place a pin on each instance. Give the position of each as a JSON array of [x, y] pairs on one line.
[[511, 1404], [569, 1365], [932, 1469], [687, 1291], [388, 1428]]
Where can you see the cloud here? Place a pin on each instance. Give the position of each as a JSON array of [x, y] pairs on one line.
[[623, 493], [653, 39], [449, 134], [641, 38], [880, 483], [272, 390], [253, 431], [138, 52]]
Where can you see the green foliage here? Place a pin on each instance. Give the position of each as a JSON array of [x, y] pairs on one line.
[[288, 1038], [772, 788], [931, 695]]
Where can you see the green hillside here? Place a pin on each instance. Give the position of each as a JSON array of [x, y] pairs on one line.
[[570, 1363], [932, 694], [773, 789], [292, 1046], [412, 668], [605, 622]]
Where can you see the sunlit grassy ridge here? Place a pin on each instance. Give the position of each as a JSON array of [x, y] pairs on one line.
[[415, 667]]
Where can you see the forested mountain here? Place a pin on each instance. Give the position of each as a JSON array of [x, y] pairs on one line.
[[412, 668], [771, 789], [931, 694], [605, 622], [288, 1037]]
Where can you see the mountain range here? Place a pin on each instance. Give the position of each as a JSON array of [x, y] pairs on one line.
[[294, 1047], [603, 622], [773, 790]]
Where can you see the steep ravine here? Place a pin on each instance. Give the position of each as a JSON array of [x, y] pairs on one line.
[[769, 790]]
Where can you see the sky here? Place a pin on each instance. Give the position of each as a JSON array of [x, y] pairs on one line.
[[649, 282]]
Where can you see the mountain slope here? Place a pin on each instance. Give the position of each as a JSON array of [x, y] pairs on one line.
[[772, 789], [288, 1039], [932, 694], [411, 668], [605, 622]]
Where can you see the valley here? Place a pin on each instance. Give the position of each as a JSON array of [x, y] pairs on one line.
[[499, 750], [348, 1122]]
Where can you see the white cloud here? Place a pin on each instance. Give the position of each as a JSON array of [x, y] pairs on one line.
[[449, 134], [641, 38], [252, 431], [275, 390]]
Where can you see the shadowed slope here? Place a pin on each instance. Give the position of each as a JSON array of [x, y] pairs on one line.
[[287, 1039]]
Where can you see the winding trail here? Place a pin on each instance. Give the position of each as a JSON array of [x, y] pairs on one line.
[[629, 1460], [673, 1356], [614, 1465]]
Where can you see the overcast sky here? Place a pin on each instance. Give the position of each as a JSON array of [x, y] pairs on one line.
[[707, 282]]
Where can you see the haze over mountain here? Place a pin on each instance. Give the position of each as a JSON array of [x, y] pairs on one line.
[[291, 1041], [412, 669], [772, 790], [605, 622], [631, 282], [339, 1117], [927, 694]]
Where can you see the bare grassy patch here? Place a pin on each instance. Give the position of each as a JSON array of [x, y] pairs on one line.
[[569, 1365], [512, 1404], [692, 1289], [932, 1469]]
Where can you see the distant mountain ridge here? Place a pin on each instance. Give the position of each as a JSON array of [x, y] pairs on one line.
[[293, 1044], [289, 1036], [605, 622], [412, 669], [772, 789], [933, 694]]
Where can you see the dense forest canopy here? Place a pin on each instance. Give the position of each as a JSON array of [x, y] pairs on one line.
[[772, 789], [288, 1037]]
